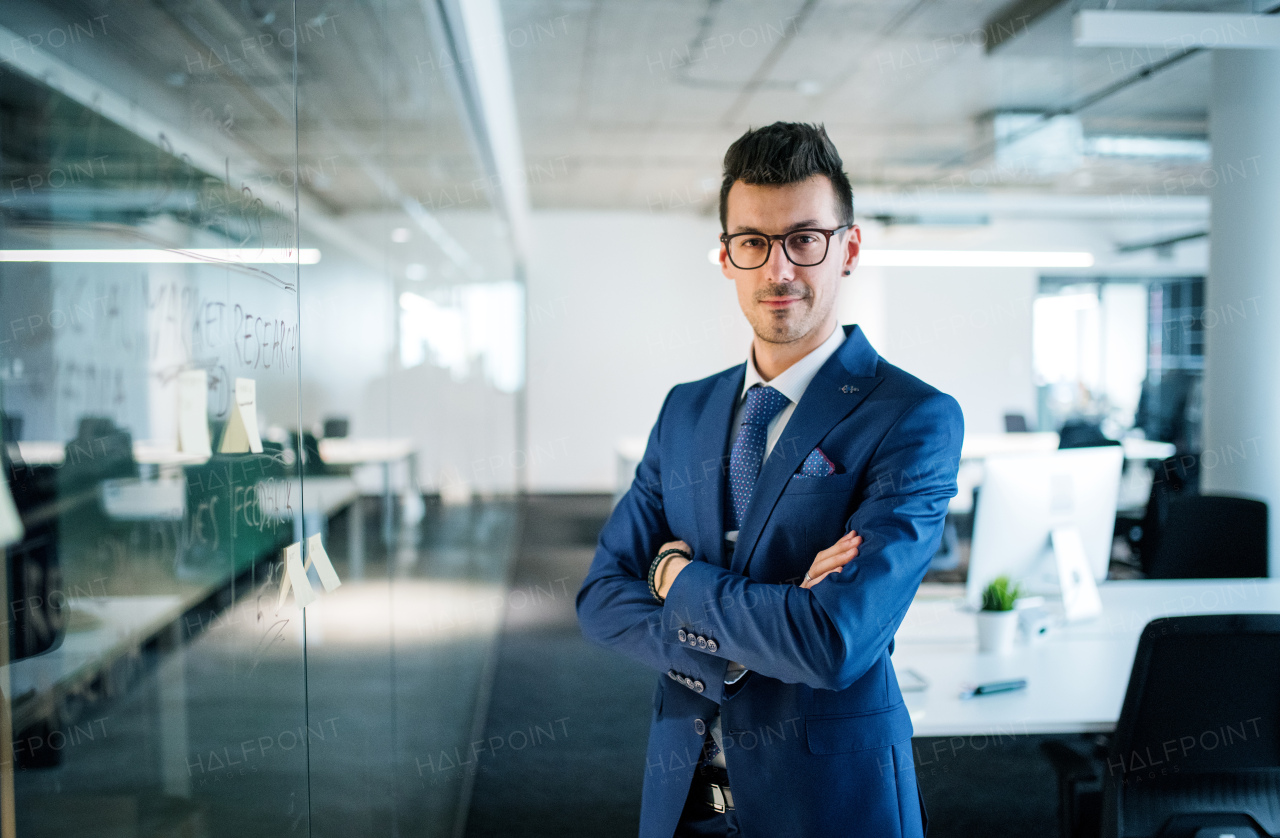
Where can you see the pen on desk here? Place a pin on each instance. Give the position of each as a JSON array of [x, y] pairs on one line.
[[995, 687]]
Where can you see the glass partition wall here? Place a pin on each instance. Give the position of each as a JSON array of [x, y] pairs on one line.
[[260, 365]]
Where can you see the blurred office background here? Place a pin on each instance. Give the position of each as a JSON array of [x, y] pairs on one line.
[[462, 250]]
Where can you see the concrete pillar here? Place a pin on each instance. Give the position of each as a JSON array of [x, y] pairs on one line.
[[1242, 291]]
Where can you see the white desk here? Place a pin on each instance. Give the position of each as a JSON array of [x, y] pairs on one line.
[[981, 446], [349, 451], [1076, 677], [145, 452]]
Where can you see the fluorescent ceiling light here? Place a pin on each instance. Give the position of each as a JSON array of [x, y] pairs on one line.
[[1159, 147], [976, 259], [205, 255]]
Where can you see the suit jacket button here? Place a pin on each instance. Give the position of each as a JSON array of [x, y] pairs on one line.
[[699, 727], [681, 634], [702, 642], [699, 686], [693, 640], [671, 673], [712, 646]]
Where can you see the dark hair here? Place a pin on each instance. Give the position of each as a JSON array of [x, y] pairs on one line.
[[783, 153]]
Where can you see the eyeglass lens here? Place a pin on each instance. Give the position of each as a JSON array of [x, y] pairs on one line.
[[805, 248]]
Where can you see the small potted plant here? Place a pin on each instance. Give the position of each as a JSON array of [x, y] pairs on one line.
[[997, 621]]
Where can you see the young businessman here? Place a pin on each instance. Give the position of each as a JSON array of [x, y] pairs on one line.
[[778, 526]]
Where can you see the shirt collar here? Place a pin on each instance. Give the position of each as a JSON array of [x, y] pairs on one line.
[[794, 380]]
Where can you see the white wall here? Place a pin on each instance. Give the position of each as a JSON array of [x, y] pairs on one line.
[[624, 305], [621, 307]]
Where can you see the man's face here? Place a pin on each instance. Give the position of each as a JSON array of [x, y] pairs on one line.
[[783, 302]]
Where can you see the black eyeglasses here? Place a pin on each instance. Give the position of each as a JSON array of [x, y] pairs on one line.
[[805, 248]]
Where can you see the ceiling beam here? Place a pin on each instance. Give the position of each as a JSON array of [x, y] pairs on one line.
[[1176, 31], [1013, 20], [214, 155]]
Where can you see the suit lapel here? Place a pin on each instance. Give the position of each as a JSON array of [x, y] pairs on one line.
[[711, 437], [844, 381]]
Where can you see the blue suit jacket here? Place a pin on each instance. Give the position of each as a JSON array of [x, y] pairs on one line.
[[817, 738]]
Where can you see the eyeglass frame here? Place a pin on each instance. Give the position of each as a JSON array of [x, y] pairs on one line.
[[782, 239]]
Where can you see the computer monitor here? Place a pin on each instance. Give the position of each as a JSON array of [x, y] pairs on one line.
[[1025, 497]]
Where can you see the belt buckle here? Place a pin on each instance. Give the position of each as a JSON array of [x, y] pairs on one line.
[[717, 798]]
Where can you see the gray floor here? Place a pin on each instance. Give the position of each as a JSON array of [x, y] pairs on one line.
[[445, 691], [588, 781]]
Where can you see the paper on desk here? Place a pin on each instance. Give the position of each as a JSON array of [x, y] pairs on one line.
[[317, 556], [241, 434], [193, 412], [295, 577], [10, 523]]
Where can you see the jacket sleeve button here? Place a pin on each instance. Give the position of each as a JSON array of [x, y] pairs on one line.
[[712, 646], [681, 634]]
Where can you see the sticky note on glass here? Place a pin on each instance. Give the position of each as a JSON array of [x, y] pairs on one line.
[[295, 578], [320, 559], [241, 434], [10, 522], [193, 412]]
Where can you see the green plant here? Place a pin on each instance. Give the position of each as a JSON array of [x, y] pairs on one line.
[[1000, 595]]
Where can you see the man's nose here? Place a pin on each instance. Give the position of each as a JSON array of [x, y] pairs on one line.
[[778, 268]]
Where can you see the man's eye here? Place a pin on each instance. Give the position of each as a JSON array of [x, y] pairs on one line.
[[754, 241], [803, 239]]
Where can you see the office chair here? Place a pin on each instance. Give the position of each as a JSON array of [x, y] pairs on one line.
[[1209, 537], [336, 427], [1015, 423], [1077, 433], [1196, 752], [307, 448]]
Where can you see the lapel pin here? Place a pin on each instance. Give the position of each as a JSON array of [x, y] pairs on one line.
[[847, 389]]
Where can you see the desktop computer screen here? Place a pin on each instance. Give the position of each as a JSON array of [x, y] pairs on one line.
[[1024, 498]]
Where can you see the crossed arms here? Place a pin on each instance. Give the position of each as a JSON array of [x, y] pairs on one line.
[[825, 636]]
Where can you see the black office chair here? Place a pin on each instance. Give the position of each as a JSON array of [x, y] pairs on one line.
[[336, 427], [1077, 433], [1196, 752], [1210, 537], [1015, 423], [307, 447]]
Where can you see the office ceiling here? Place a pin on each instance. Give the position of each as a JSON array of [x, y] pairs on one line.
[[622, 104], [634, 103]]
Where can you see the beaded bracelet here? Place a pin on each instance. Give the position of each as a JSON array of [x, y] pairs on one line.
[[653, 568]]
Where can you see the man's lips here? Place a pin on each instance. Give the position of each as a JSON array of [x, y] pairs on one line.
[[780, 302]]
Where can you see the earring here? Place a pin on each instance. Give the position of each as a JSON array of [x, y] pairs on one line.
[[846, 273]]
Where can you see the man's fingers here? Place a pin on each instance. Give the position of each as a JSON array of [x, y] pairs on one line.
[[840, 546], [832, 562]]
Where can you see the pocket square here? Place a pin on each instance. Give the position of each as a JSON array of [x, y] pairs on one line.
[[817, 464]]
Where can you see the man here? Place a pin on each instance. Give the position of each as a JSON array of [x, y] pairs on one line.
[[778, 712]]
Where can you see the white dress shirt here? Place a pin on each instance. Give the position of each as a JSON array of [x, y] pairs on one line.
[[791, 382]]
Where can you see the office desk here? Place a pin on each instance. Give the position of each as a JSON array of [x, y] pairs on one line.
[[348, 451], [52, 453], [1077, 676], [981, 446]]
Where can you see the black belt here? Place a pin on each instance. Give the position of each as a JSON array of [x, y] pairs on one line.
[[714, 794]]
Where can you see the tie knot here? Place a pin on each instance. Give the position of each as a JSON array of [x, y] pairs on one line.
[[763, 403]]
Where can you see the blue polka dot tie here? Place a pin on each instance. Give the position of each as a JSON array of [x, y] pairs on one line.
[[763, 403]]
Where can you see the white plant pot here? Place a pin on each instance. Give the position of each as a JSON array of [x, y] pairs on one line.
[[996, 631]]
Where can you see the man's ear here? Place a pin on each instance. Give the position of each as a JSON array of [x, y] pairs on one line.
[[724, 261], [852, 249]]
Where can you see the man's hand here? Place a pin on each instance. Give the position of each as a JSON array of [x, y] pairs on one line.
[[833, 559], [670, 567]]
